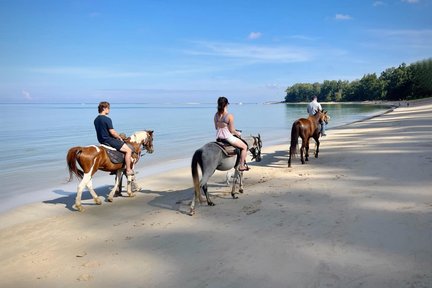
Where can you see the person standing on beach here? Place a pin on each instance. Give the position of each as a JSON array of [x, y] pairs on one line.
[[312, 108], [224, 124], [108, 136]]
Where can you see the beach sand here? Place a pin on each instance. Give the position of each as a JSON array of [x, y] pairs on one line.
[[358, 216]]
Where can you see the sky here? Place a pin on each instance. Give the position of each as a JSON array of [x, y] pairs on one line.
[[179, 51]]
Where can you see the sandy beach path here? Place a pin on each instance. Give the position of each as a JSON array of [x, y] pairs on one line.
[[358, 216]]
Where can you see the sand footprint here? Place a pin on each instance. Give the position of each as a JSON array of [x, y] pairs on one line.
[[252, 208]]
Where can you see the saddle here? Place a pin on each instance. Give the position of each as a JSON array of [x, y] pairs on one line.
[[228, 149], [115, 156]]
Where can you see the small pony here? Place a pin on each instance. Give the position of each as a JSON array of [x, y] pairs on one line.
[[306, 129], [93, 158]]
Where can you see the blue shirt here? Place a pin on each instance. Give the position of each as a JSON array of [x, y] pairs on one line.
[[102, 125]]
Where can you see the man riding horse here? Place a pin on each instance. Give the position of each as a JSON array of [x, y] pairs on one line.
[[108, 136], [312, 108]]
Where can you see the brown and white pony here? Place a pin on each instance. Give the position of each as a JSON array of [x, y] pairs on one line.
[[306, 129], [93, 158]]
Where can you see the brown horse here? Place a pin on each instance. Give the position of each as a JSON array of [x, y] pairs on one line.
[[306, 129], [94, 158]]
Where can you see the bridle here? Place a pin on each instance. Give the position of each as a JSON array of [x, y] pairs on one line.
[[256, 148], [145, 144]]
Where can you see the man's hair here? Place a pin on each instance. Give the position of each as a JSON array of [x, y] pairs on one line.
[[103, 105]]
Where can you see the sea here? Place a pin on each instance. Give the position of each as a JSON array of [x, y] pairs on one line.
[[36, 138]]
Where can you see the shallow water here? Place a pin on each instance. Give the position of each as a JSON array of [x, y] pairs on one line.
[[36, 138]]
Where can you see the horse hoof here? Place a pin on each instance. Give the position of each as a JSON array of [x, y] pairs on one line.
[[110, 199], [79, 208], [191, 212], [131, 194], [98, 201], [211, 204], [234, 196], [241, 191]]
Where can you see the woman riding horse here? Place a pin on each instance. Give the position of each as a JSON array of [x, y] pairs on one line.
[[225, 130]]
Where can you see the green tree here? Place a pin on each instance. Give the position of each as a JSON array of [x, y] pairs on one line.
[[421, 76], [404, 82], [370, 88], [397, 83]]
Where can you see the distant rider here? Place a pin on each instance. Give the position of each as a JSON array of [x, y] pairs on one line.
[[312, 108]]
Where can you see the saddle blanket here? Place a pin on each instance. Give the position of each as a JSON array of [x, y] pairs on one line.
[[115, 156]]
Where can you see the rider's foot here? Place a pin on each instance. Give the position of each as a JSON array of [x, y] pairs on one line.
[[323, 134]]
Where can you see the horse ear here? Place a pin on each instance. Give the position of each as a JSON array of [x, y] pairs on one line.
[[150, 132]]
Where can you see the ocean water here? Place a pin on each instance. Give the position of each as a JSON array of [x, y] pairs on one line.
[[36, 138]]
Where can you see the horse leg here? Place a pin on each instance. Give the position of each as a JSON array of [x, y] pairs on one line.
[[117, 186], [289, 157], [238, 178], [317, 147], [192, 206], [119, 189], [130, 178], [93, 192], [80, 188], [209, 202], [302, 148], [307, 151]]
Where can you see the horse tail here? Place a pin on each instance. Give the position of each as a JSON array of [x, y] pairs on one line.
[[71, 160], [196, 160], [295, 134]]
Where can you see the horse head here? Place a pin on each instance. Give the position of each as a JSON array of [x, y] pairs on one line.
[[144, 138], [255, 148], [324, 117]]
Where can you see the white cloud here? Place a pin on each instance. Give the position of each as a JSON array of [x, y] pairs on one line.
[[343, 17], [26, 95], [253, 53], [88, 72], [411, 1], [378, 3], [254, 35], [404, 38]]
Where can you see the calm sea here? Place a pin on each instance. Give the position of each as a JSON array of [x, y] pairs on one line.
[[36, 137]]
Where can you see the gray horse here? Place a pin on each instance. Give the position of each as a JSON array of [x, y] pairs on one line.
[[210, 158]]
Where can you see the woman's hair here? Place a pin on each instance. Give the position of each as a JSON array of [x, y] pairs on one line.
[[222, 103], [103, 105]]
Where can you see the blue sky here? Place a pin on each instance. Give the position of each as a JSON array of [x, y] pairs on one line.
[[194, 51]]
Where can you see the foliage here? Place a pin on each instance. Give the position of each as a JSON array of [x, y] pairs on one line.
[[402, 83]]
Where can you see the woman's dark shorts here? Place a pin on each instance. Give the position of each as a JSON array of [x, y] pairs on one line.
[[116, 143]]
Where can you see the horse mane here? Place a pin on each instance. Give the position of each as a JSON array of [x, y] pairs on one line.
[[138, 136]]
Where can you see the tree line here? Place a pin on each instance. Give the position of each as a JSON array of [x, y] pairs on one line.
[[406, 82]]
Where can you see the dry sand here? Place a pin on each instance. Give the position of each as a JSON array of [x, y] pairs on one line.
[[358, 216]]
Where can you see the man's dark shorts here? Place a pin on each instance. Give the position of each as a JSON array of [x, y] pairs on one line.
[[113, 142]]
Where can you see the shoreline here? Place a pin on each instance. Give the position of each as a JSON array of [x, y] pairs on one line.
[[358, 216], [143, 172], [149, 167]]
